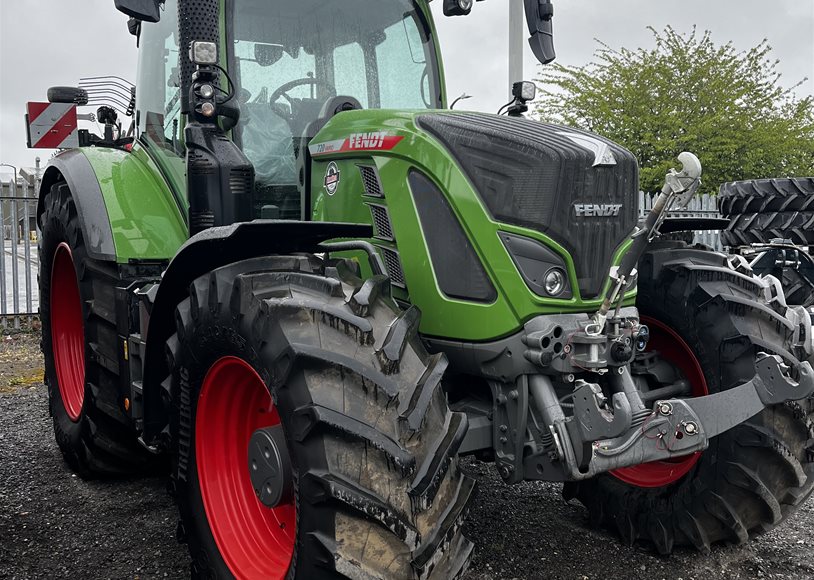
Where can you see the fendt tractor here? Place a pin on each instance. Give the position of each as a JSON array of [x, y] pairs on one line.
[[308, 287]]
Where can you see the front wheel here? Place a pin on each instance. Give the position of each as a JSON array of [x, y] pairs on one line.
[[311, 438], [709, 323]]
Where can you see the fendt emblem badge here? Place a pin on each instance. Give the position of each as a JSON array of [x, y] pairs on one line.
[[601, 150], [331, 178], [597, 209]]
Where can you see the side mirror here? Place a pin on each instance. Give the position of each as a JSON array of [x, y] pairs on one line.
[[539, 14], [144, 10], [72, 95], [457, 7]]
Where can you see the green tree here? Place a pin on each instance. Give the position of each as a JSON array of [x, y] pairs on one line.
[[688, 94]]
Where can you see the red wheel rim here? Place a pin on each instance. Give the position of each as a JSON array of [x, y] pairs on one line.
[[674, 350], [255, 541], [67, 332]]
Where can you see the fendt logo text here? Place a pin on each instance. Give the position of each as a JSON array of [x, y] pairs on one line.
[[597, 210]]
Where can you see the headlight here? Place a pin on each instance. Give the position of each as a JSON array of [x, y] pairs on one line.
[[207, 91], [542, 269], [554, 281]]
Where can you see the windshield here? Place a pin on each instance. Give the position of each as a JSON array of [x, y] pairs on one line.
[[287, 58]]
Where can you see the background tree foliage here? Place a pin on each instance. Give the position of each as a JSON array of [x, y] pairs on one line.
[[727, 107]]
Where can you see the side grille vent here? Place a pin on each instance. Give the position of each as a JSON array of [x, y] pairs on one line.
[[392, 263], [240, 181], [381, 222], [200, 164], [457, 266], [370, 181]]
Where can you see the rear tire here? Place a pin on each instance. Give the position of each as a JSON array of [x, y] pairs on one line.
[[797, 288], [377, 488], [79, 343], [751, 477]]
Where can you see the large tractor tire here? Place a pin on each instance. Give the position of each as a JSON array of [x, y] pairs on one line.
[[79, 342], [797, 288], [709, 322], [317, 381], [763, 209]]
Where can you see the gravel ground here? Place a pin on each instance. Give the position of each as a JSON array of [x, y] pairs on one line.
[[55, 525]]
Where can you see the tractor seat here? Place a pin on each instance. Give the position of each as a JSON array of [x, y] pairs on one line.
[[268, 143], [332, 107]]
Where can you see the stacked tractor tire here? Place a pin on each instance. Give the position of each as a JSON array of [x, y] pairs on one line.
[[764, 211]]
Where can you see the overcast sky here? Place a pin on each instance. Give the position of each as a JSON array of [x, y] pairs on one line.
[[54, 42]]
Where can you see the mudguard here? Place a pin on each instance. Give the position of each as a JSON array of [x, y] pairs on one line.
[[126, 210], [207, 251], [76, 170]]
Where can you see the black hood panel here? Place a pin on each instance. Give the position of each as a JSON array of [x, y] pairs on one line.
[[544, 177]]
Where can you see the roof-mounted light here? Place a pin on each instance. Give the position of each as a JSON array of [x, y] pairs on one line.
[[203, 53]]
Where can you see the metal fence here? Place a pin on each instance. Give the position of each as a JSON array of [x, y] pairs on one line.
[[705, 206], [19, 297]]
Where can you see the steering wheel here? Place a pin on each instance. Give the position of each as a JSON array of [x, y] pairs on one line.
[[283, 89]]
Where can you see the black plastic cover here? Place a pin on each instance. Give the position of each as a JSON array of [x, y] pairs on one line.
[[220, 179], [539, 176], [457, 267]]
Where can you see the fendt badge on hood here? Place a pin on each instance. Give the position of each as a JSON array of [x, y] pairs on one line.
[[597, 209]]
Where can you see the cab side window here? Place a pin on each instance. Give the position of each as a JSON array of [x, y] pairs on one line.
[[158, 89]]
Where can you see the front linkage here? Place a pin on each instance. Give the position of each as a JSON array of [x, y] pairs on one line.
[[535, 439]]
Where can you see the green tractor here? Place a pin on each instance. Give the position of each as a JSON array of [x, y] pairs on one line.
[[310, 288]]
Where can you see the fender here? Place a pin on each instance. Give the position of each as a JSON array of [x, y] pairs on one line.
[[204, 252], [78, 173], [126, 209]]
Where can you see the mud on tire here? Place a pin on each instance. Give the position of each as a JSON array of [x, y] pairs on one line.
[[372, 441], [751, 477], [99, 439]]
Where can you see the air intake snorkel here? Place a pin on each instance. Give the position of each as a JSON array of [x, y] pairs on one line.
[[220, 179]]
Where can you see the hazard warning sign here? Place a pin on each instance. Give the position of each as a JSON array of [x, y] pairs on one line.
[[52, 125]]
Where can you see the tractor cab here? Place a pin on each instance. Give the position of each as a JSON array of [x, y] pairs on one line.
[[293, 65]]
